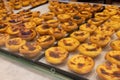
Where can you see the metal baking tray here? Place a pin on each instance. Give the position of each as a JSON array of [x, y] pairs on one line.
[[62, 69], [52, 69], [30, 7], [42, 8], [90, 76]]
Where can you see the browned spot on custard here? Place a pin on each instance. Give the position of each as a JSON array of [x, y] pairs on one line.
[[57, 9], [116, 73], [93, 49], [78, 57], [45, 27], [77, 17], [30, 46], [108, 65], [4, 18], [85, 57], [104, 72], [13, 42], [70, 23], [75, 7], [109, 10], [2, 26], [72, 63], [67, 44], [80, 65], [54, 54], [117, 57], [118, 66], [48, 39], [78, 34], [15, 29], [102, 15], [103, 38], [48, 14], [22, 47], [26, 32], [88, 25], [89, 43], [93, 19]]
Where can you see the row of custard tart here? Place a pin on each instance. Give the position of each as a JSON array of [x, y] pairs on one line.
[[111, 68], [17, 44], [27, 33], [81, 16], [48, 16], [74, 8], [108, 71], [26, 48], [81, 63], [54, 55], [78, 63], [32, 23], [3, 11], [18, 4], [79, 12], [93, 49]]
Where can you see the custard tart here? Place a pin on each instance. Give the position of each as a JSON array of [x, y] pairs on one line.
[[56, 55], [81, 36], [30, 50], [27, 34], [70, 44], [13, 44], [108, 71], [90, 49], [113, 57], [81, 64], [46, 41]]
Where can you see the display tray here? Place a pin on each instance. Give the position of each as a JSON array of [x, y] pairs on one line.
[[49, 67], [62, 69], [39, 5], [30, 7]]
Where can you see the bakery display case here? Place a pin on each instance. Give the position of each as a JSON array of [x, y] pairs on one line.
[[77, 40]]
